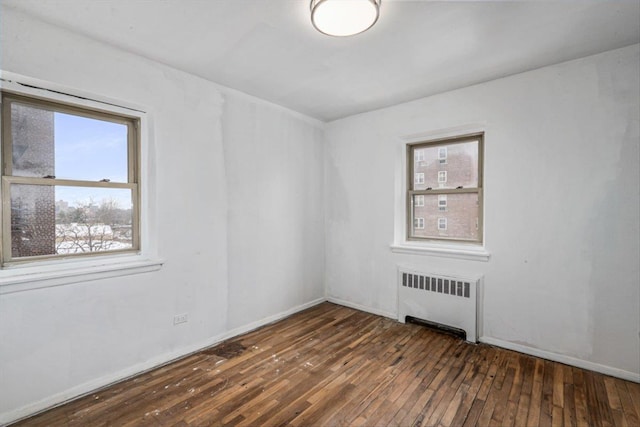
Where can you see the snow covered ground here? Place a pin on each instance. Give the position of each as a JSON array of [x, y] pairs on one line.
[[81, 246]]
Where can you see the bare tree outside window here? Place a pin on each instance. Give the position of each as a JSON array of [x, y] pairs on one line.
[[93, 227]]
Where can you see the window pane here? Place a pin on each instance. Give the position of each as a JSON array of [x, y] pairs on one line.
[[458, 221], [33, 220], [67, 146], [48, 220], [442, 202], [32, 134], [447, 166]]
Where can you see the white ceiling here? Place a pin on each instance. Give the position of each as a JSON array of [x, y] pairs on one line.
[[268, 48]]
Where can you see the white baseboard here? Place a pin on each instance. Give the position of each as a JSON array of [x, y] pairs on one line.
[[107, 380], [366, 309], [561, 358]]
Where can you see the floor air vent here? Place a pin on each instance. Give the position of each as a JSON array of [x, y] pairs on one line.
[[444, 300]]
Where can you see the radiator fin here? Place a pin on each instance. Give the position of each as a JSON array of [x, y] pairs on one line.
[[437, 284]]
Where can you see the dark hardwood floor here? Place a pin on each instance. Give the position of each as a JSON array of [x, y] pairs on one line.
[[332, 365]]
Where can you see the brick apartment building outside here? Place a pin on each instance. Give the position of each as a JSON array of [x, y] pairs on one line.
[[33, 217], [452, 216]]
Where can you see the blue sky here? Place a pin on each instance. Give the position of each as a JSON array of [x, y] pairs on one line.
[[91, 150]]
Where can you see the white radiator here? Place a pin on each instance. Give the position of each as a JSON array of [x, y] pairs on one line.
[[445, 300]]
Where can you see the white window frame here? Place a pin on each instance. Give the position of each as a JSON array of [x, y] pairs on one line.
[[56, 272], [442, 198], [442, 224], [418, 223], [419, 200], [442, 177], [419, 178], [442, 155], [419, 156]]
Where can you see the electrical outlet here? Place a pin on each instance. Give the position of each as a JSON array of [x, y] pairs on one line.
[[180, 318]]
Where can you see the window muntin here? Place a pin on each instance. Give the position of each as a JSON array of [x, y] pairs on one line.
[[69, 181], [419, 178], [418, 223], [452, 209], [442, 202], [418, 201], [442, 155]]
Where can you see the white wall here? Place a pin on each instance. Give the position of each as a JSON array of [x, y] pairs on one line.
[[240, 198], [561, 208], [238, 194], [275, 172]]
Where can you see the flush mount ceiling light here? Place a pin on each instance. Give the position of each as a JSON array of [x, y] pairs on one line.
[[344, 17]]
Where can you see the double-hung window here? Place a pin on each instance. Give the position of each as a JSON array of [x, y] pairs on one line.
[[70, 181], [448, 201], [442, 201], [442, 154]]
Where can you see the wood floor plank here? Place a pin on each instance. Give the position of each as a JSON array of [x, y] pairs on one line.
[[469, 390], [535, 405], [502, 398], [459, 371], [493, 392], [569, 413], [546, 407], [582, 418], [629, 409], [474, 413], [558, 385], [460, 405], [335, 366], [524, 402], [593, 410], [602, 401], [634, 393]]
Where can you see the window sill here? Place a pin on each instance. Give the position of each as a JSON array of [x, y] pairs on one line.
[[28, 277], [458, 251]]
